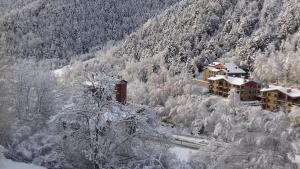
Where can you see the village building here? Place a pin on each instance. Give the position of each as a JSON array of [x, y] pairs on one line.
[[212, 72], [248, 90], [217, 68], [275, 98]]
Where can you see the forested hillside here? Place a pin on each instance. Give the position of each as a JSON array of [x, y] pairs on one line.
[[161, 56], [207, 30], [8, 5], [63, 28], [70, 118]]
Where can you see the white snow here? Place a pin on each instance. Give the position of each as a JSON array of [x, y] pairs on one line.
[[297, 160], [233, 68], [183, 154], [9, 164], [236, 80], [61, 72], [229, 68], [218, 77], [214, 64], [296, 146]]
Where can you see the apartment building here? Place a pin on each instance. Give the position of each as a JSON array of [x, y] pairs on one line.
[[275, 98], [248, 90]]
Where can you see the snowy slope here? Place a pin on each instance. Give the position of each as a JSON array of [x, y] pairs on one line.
[[63, 28], [8, 164], [207, 30], [182, 153]]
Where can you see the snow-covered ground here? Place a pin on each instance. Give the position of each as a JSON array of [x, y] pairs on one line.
[[297, 160], [61, 72], [296, 146], [9, 164], [182, 153]]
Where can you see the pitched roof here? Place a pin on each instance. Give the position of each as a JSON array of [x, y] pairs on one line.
[[295, 93], [233, 68], [233, 80]]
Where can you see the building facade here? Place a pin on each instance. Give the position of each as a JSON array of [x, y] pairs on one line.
[[221, 85], [212, 72], [275, 98]]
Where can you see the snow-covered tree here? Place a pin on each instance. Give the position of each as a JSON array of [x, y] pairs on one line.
[[294, 116], [250, 139], [234, 99], [282, 66], [34, 97], [41, 29], [100, 130]]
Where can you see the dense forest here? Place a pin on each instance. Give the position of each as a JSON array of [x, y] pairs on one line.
[[204, 31], [61, 29]]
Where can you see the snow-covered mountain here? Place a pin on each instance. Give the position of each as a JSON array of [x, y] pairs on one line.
[[207, 30], [63, 123], [62, 28]]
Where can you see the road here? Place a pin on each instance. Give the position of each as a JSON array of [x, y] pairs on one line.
[[189, 141], [185, 146]]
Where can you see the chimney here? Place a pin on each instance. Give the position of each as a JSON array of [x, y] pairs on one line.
[[289, 90]]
